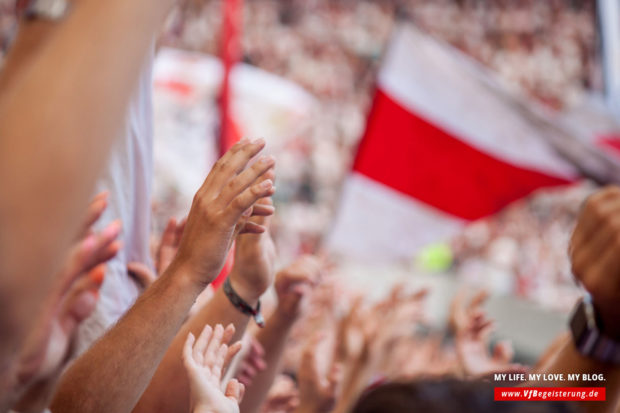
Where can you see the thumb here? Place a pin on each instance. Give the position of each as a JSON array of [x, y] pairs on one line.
[[141, 273]]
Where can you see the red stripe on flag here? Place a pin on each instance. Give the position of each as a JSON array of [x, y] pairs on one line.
[[413, 156]]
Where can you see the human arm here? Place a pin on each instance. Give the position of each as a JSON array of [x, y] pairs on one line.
[[251, 275], [111, 376], [59, 116], [292, 284], [46, 349], [206, 360], [595, 258]]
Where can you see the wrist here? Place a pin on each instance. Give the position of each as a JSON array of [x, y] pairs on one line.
[[249, 293], [183, 276], [284, 317]]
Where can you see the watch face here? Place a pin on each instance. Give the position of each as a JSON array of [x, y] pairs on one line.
[[579, 325]]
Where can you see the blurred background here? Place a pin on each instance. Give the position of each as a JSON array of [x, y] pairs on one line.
[[441, 142]]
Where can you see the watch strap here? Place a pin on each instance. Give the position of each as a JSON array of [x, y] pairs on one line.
[[46, 9], [240, 304], [588, 337]]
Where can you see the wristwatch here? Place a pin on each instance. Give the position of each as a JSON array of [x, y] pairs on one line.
[[47, 9], [588, 336]]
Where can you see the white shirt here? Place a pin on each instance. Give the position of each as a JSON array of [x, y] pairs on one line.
[[127, 178]]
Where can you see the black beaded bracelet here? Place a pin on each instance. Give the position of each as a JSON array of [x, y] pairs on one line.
[[242, 306]]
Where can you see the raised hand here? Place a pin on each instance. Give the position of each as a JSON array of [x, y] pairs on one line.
[[253, 362], [221, 208], [283, 396], [169, 244], [206, 361], [472, 331], [595, 255], [74, 298], [317, 390], [255, 254], [294, 282]]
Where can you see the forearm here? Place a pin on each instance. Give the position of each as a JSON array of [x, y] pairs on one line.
[[111, 375], [273, 339], [168, 392], [569, 361], [58, 118]]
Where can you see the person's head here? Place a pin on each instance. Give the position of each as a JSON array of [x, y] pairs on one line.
[[447, 396]]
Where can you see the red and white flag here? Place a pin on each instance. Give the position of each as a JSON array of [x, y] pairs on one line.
[[443, 147]]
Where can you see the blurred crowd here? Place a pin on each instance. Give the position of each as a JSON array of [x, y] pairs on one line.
[[522, 250], [545, 51]]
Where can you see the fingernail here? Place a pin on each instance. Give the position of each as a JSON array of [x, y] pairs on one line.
[[259, 141], [102, 196], [97, 275], [266, 184], [112, 230]]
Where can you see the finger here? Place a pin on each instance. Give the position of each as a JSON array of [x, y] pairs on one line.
[[81, 299], [179, 232], [201, 344], [503, 351], [478, 299], [243, 379], [106, 247], [249, 371], [169, 234], [257, 348], [188, 358], [210, 352], [245, 179], [103, 255], [218, 364], [250, 227], [233, 350], [247, 198], [419, 295], [335, 375], [231, 164], [89, 253], [264, 220], [141, 273], [240, 391], [263, 210], [234, 390], [258, 363], [229, 333], [457, 311], [94, 212]]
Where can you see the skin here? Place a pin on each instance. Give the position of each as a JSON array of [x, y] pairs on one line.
[[292, 284], [52, 149], [250, 276], [75, 294], [472, 330], [595, 257], [206, 360], [111, 376]]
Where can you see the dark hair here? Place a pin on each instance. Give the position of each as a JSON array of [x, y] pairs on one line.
[[448, 396]]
